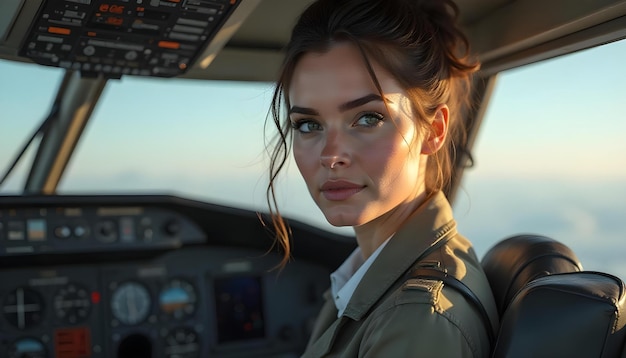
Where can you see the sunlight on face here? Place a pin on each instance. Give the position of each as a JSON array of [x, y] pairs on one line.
[[359, 158]]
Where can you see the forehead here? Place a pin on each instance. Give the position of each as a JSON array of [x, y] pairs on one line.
[[335, 76]]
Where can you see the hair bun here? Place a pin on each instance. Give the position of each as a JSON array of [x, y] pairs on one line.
[[443, 15]]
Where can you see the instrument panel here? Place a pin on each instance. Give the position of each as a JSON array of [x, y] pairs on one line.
[[180, 287]]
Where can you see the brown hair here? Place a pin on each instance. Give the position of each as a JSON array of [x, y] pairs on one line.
[[416, 41]]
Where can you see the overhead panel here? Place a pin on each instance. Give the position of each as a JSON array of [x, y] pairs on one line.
[[118, 37]]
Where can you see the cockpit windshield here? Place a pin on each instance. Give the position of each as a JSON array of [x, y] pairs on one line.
[[26, 96], [548, 157]]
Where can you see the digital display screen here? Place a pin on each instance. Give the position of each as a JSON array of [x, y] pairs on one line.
[[239, 309], [36, 229]]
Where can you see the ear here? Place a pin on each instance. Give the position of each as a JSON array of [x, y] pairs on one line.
[[438, 131]]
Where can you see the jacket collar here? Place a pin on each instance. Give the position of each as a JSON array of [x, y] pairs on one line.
[[428, 225]]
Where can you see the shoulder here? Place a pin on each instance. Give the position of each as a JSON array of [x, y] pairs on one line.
[[428, 312], [422, 300], [418, 317]]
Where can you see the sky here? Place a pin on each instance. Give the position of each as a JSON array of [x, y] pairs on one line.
[[550, 156]]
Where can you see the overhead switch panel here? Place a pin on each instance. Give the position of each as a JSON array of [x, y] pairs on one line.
[[124, 37]]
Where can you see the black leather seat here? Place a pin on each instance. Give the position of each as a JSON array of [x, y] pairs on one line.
[[514, 262], [549, 307]]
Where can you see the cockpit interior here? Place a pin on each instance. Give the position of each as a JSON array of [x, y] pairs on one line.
[[163, 276]]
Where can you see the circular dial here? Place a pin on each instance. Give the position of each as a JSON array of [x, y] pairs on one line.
[[27, 348], [178, 299], [130, 303], [182, 343], [23, 308], [72, 304]]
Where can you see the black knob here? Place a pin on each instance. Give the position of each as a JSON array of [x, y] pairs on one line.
[[106, 231], [172, 227]]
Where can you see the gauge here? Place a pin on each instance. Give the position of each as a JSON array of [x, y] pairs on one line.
[[130, 303], [23, 308], [182, 343], [178, 299], [72, 304], [27, 348]]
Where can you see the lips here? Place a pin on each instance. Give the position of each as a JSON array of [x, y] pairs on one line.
[[338, 190]]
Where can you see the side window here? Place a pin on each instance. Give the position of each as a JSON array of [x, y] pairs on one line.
[[550, 159]]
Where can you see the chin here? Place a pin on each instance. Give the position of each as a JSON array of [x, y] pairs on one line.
[[341, 220], [335, 224]]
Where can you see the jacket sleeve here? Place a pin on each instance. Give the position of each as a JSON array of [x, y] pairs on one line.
[[416, 330]]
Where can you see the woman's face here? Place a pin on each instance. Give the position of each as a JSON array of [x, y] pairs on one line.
[[359, 158]]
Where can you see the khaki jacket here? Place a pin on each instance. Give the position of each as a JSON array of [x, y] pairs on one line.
[[393, 315]]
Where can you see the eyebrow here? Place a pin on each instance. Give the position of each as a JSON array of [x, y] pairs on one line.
[[359, 102], [343, 107]]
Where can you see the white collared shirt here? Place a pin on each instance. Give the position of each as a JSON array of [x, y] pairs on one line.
[[346, 278]]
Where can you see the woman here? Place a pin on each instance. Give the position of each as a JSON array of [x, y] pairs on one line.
[[368, 99]]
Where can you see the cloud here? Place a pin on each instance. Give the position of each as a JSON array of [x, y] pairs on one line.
[[588, 216]]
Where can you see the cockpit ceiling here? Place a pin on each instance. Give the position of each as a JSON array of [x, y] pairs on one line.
[[258, 32], [248, 47]]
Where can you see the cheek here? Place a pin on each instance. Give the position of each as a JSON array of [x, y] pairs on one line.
[[385, 159], [305, 160], [392, 160]]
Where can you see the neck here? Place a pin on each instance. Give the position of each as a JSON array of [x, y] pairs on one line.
[[371, 235]]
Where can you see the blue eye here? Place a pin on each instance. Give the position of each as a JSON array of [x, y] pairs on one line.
[[370, 119], [306, 126]]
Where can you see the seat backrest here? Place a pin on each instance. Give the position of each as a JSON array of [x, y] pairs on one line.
[[577, 314], [513, 262], [549, 307]]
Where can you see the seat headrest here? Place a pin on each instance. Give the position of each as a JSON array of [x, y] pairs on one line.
[[576, 314], [513, 262]]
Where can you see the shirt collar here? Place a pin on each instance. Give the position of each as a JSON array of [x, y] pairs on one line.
[[347, 277]]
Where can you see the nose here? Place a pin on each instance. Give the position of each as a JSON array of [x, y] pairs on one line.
[[334, 153]]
